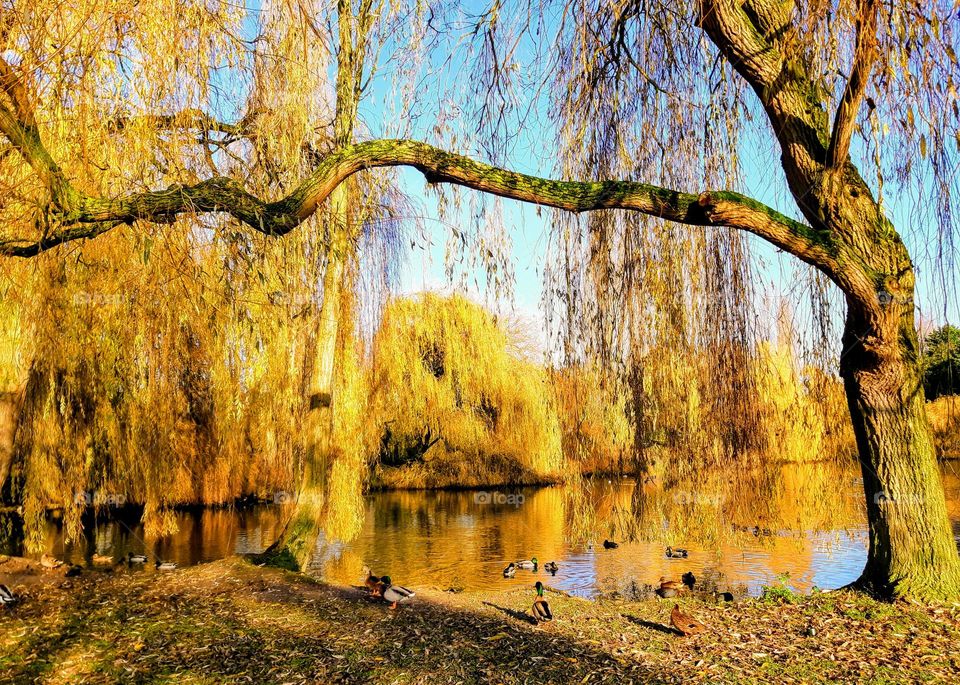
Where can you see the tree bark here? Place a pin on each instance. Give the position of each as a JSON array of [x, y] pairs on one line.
[[298, 540], [912, 554]]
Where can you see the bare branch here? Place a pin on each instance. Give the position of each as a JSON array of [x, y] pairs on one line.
[[865, 54]]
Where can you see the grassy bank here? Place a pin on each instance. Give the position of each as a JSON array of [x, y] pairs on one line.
[[230, 621]]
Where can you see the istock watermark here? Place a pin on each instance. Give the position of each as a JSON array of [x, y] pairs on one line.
[[510, 498]]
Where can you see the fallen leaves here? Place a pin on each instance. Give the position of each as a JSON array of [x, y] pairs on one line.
[[231, 621]]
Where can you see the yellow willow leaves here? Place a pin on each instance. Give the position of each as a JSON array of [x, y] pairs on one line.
[[442, 366]]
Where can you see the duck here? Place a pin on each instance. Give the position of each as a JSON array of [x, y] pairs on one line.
[[551, 567], [688, 579], [528, 564], [372, 582], [395, 593], [541, 610], [165, 565], [50, 561], [136, 558], [687, 625], [102, 559], [676, 553], [666, 584], [510, 571], [610, 544], [6, 597], [666, 593], [723, 596]]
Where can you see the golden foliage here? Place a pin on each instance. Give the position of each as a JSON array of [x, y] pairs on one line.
[[446, 385]]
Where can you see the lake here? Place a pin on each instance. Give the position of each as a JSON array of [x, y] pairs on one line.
[[802, 525]]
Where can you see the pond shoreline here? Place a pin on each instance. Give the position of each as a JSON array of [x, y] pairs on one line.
[[231, 620], [250, 500]]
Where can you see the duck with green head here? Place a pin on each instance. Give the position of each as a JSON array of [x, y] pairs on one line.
[[528, 564], [395, 594], [541, 610]]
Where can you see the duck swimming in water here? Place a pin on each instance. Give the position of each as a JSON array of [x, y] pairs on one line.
[[610, 544], [510, 571]]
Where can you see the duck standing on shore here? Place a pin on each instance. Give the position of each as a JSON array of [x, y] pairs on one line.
[[372, 582], [6, 597], [668, 588], [50, 561], [541, 610], [136, 558], [395, 594]]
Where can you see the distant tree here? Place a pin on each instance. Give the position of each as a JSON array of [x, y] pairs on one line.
[[941, 362]]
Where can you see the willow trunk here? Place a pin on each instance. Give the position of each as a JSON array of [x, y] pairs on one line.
[[912, 553]]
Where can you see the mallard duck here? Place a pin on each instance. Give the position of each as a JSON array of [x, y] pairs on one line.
[[102, 560], [541, 610], [510, 571], [528, 564], [610, 544], [165, 565], [685, 624], [6, 597], [676, 553], [136, 558], [666, 593], [689, 579], [395, 593], [723, 596], [551, 567], [50, 561], [372, 582]]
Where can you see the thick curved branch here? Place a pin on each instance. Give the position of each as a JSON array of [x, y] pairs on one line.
[[712, 208], [865, 54]]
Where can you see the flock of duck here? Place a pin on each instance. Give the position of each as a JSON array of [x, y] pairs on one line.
[[383, 587]]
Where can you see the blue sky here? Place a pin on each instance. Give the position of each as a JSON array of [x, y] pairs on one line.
[[778, 275]]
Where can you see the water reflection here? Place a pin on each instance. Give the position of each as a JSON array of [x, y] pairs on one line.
[[801, 523]]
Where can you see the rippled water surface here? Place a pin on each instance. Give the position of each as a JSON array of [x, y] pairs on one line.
[[803, 525]]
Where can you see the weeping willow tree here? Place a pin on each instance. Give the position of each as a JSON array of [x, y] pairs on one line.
[[450, 387], [173, 365], [651, 100]]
